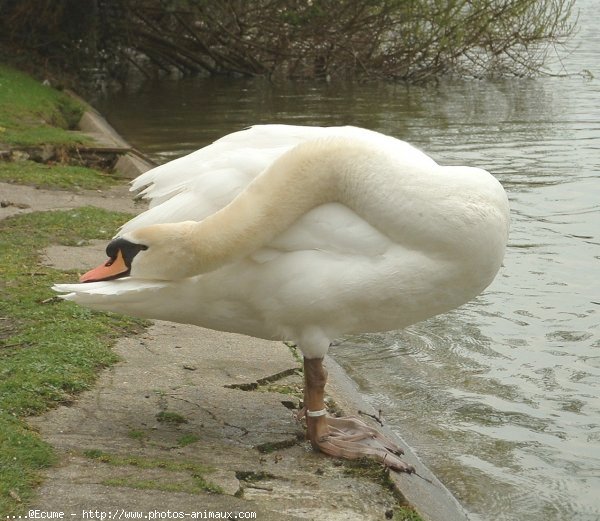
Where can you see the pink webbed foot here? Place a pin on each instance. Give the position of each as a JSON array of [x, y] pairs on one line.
[[351, 438], [348, 437]]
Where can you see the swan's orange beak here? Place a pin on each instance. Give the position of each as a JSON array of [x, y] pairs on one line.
[[111, 269]]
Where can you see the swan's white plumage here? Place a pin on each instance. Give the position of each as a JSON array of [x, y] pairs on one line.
[[197, 185], [331, 272]]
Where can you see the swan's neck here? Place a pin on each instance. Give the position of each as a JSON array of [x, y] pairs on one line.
[[309, 175]]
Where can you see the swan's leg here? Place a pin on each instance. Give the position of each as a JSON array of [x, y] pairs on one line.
[[348, 438], [315, 378]]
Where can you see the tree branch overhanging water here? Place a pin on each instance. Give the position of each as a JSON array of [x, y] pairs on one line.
[[408, 40]]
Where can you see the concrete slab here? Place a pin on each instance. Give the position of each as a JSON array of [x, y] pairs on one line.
[[132, 164], [93, 124], [120, 419], [19, 199]]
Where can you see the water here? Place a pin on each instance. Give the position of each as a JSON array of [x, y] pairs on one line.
[[500, 397]]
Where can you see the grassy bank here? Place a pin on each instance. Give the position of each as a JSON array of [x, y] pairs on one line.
[[46, 356], [56, 176], [34, 114], [36, 119]]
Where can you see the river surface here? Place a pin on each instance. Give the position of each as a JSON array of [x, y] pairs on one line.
[[500, 397]]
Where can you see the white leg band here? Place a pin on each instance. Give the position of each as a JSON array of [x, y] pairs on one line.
[[315, 414]]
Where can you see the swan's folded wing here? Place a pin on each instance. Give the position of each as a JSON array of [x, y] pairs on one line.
[[210, 186], [201, 183], [264, 141]]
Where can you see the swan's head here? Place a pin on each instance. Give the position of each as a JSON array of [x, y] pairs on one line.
[[159, 252]]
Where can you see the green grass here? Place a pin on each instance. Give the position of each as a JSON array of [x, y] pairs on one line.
[[171, 417], [141, 462], [187, 439], [406, 514], [62, 177], [366, 468], [49, 350], [136, 434], [33, 114], [199, 483], [22, 456]]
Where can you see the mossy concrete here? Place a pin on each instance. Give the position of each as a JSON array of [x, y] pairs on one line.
[[231, 425]]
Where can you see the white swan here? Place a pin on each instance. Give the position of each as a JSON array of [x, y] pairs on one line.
[[305, 234]]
